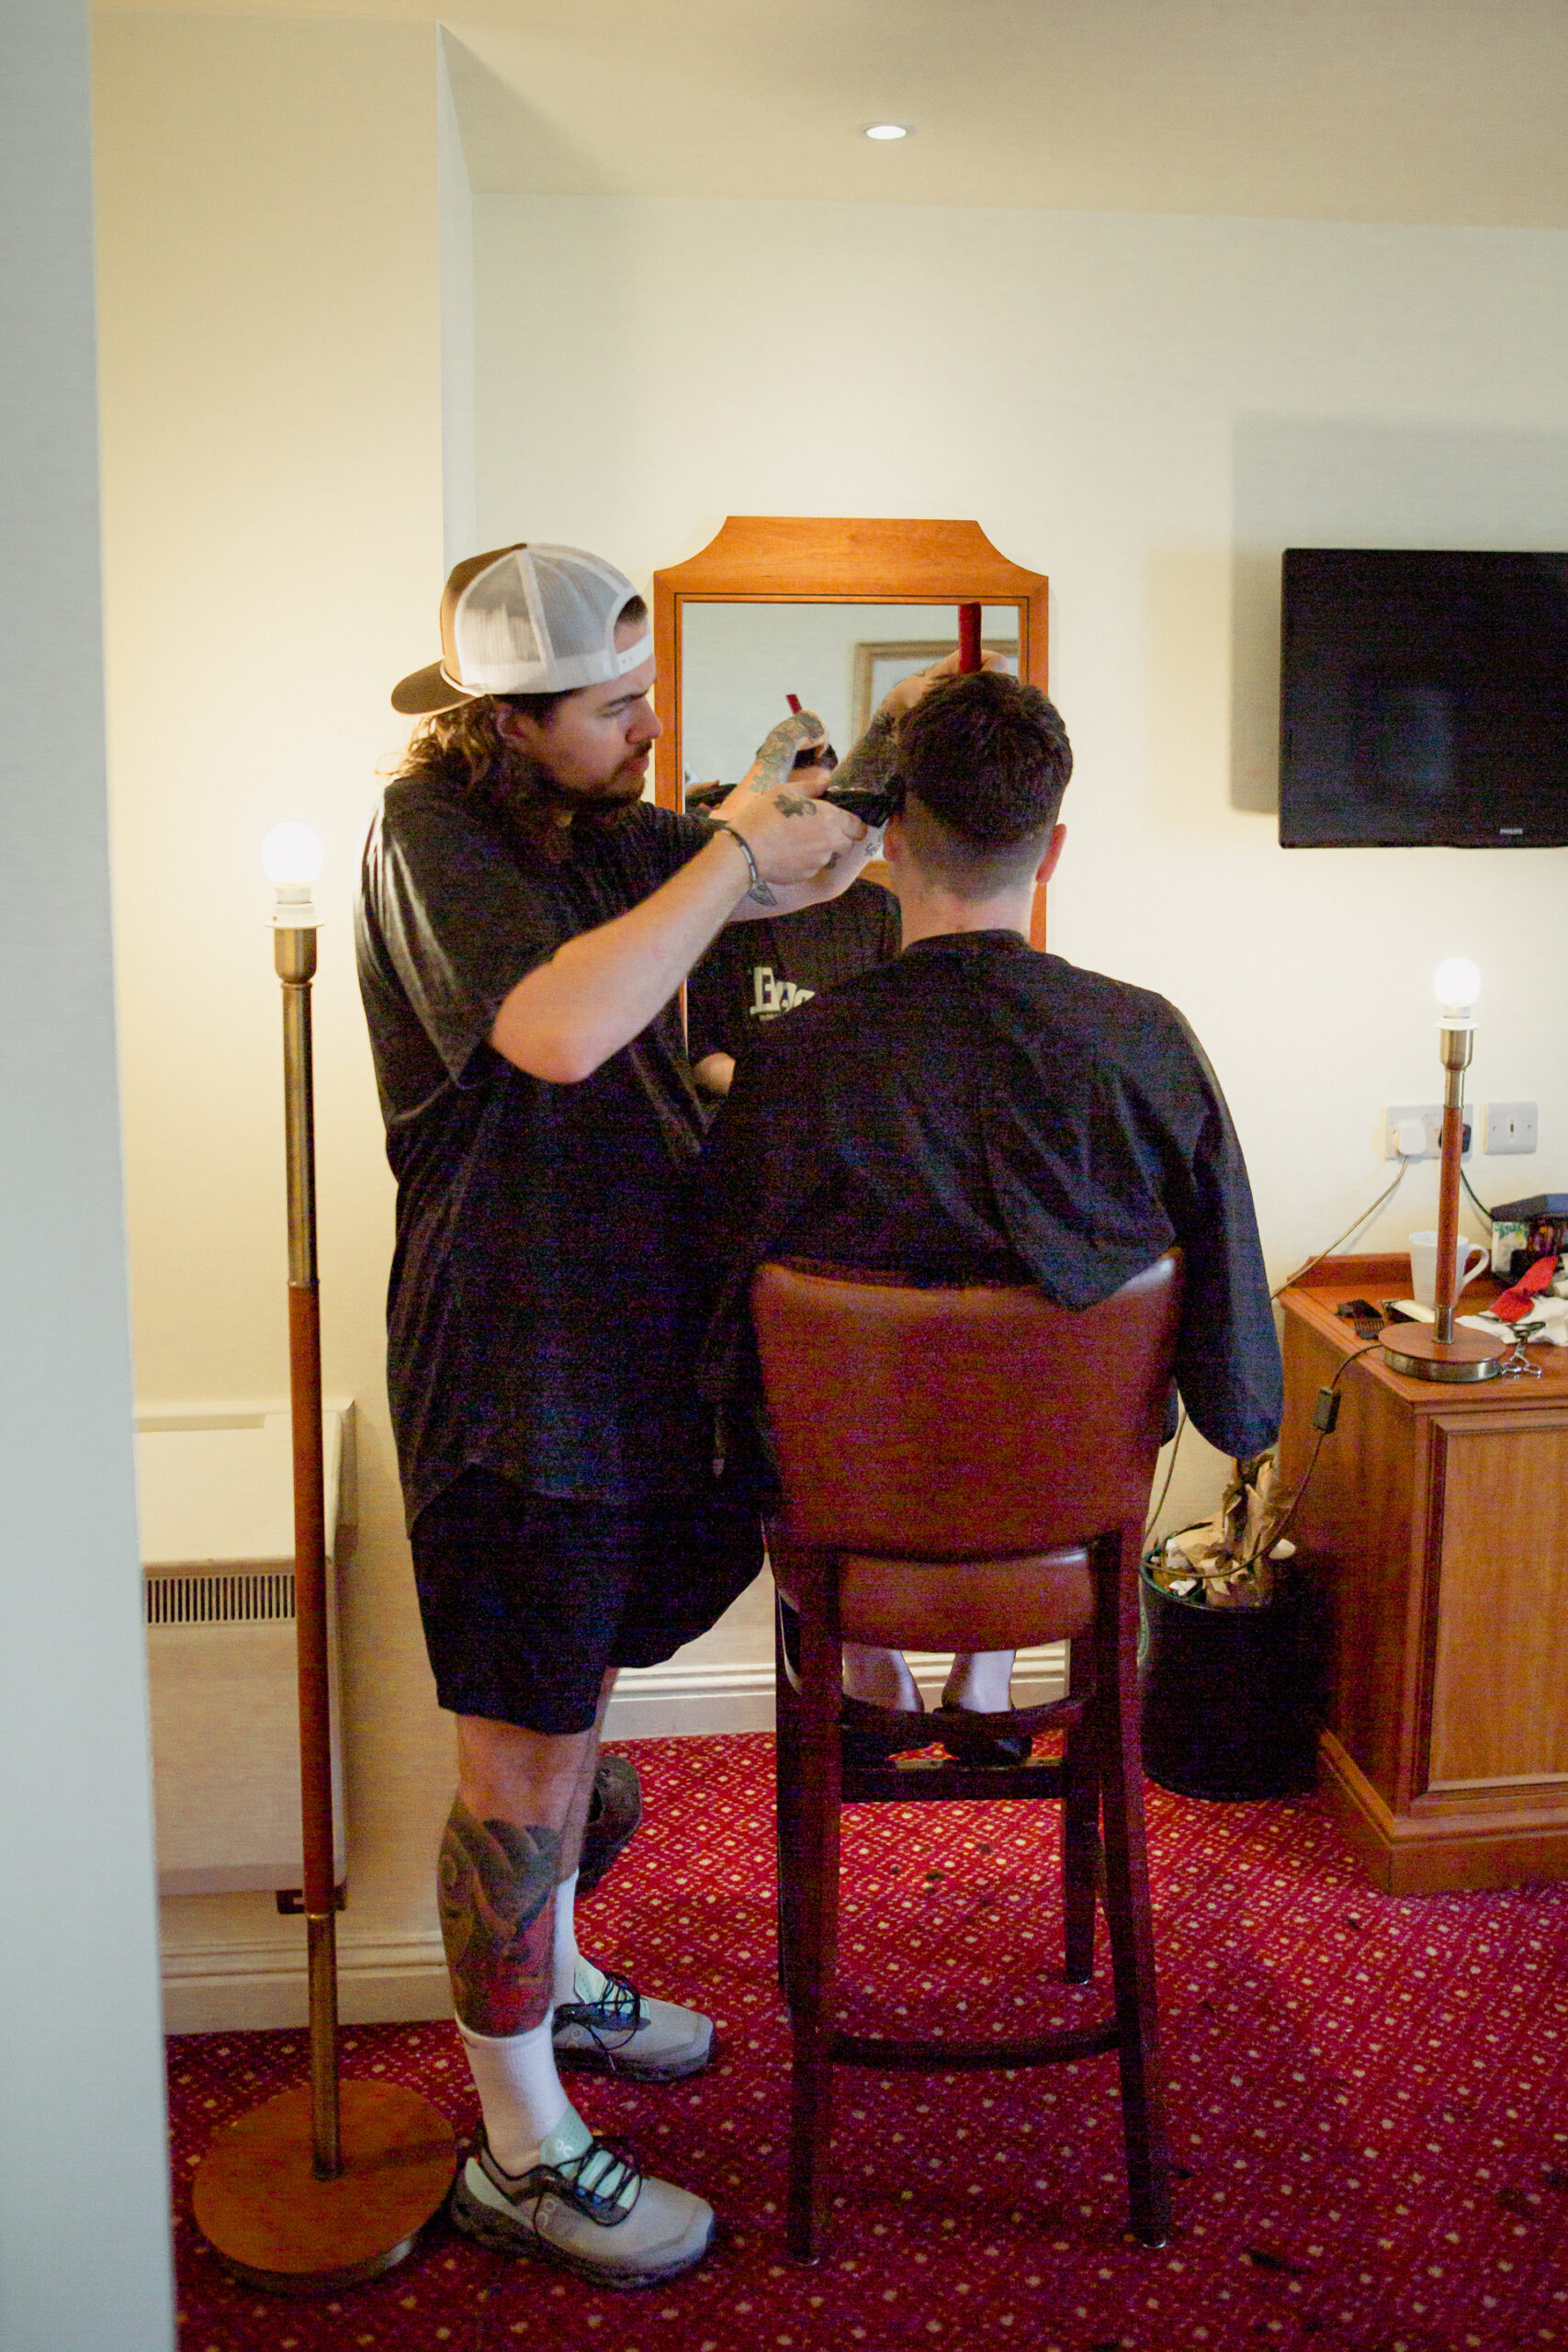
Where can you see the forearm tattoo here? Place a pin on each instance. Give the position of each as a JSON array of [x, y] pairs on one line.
[[871, 762], [775, 755], [495, 1883]]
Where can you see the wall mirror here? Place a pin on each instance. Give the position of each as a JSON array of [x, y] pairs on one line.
[[830, 609]]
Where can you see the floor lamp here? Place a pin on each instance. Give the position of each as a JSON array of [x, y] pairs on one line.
[[1441, 1352], [330, 2183]]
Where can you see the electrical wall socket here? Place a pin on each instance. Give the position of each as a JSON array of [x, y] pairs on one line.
[[1510, 1126], [1431, 1117]]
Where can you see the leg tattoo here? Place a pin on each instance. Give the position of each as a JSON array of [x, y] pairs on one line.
[[495, 1883]]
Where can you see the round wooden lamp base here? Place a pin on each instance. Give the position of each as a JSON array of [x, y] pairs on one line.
[[268, 2219], [1420, 1355]]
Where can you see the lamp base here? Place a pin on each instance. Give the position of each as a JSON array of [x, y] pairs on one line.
[[1419, 1354], [272, 2224]]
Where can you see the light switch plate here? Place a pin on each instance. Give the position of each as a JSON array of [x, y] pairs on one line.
[[1510, 1127]]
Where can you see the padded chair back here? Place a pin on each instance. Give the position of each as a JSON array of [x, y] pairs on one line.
[[962, 1424]]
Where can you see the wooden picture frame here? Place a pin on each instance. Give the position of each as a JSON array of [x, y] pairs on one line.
[[907, 654]]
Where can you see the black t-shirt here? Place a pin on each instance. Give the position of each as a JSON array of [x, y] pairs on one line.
[[754, 971], [542, 1313], [978, 1111]]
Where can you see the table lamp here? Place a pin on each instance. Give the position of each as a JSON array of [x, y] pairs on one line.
[[1439, 1352], [330, 2184]]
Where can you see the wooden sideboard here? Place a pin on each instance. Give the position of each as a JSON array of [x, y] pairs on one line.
[[1438, 1519]]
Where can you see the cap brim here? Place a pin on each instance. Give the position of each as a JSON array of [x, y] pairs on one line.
[[425, 691]]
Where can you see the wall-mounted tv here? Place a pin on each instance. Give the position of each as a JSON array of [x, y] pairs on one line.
[[1424, 698]]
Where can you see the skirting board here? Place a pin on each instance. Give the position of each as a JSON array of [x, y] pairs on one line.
[[239, 1988]]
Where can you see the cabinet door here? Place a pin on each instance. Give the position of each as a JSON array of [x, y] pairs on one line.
[[1500, 1664]]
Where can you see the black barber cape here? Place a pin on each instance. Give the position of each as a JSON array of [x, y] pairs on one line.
[[543, 1310], [755, 971], [979, 1112]]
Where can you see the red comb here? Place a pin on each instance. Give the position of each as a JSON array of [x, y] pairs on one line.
[[968, 637]]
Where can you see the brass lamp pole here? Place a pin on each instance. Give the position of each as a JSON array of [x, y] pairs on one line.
[[1441, 1353], [328, 2185]]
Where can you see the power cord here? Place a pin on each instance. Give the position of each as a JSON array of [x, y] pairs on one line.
[[1327, 1411], [1480, 1204], [1325, 1414], [1386, 1195]]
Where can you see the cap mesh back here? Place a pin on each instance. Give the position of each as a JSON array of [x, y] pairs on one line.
[[542, 620], [574, 608], [497, 623]]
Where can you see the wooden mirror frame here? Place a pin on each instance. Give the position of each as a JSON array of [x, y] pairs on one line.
[[818, 560]]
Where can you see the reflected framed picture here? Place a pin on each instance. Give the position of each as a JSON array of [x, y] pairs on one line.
[[880, 666]]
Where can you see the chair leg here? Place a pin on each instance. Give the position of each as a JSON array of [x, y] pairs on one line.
[[1115, 1716], [787, 1784], [815, 1901], [1080, 1833]]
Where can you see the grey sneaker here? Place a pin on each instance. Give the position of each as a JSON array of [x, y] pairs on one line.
[[617, 2030], [587, 2208]]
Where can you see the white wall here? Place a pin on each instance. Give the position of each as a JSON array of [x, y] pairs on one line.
[[1148, 409], [84, 2169], [273, 491], [456, 221]]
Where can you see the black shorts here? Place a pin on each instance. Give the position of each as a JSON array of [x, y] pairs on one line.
[[528, 1600]]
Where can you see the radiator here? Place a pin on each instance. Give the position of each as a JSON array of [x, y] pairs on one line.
[[216, 1500]]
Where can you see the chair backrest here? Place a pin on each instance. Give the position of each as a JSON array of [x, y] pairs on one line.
[[961, 1423]]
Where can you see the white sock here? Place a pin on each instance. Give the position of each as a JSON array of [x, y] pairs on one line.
[[880, 1677], [519, 2091], [576, 1979], [980, 1680]]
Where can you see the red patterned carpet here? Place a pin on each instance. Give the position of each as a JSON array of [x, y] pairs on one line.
[[1365, 2101]]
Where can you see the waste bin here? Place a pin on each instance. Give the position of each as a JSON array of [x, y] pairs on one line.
[[1230, 1697]]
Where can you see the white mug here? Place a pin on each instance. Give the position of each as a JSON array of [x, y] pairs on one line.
[[1469, 1259]]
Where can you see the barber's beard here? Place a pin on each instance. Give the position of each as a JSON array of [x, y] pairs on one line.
[[548, 811]]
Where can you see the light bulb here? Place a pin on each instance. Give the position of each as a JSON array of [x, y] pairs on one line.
[[291, 856], [887, 130], [1457, 984]]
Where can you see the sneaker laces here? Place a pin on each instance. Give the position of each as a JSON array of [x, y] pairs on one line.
[[611, 2018], [604, 2182]]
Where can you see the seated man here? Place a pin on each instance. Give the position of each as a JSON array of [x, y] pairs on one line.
[[978, 1111], [753, 975]]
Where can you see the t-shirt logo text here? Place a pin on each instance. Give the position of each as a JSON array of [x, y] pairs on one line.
[[769, 997]]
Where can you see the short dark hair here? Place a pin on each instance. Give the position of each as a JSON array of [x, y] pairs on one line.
[[983, 761]]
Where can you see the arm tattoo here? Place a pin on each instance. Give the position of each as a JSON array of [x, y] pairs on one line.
[[761, 895], [871, 762], [495, 1883], [775, 756]]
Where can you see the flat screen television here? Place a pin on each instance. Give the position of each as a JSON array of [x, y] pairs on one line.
[[1424, 698]]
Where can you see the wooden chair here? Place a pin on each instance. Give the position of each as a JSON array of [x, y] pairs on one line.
[[964, 1469]]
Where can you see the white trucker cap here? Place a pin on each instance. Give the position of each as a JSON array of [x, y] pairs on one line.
[[525, 620]]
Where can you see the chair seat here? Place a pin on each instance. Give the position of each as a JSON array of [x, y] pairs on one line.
[[952, 1604]]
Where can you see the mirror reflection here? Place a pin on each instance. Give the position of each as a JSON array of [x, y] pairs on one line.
[[739, 663]]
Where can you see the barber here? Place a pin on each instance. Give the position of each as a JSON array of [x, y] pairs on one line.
[[526, 920]]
